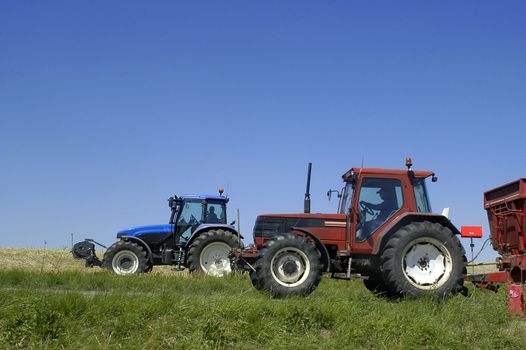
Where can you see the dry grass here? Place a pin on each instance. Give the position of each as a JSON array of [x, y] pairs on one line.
[[44, 260], [55, 260], [481, 268]]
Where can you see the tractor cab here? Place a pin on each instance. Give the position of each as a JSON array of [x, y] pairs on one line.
[[192, 211], [374, 187], [374, 197]]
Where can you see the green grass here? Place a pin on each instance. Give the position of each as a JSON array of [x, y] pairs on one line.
[[98, 310]]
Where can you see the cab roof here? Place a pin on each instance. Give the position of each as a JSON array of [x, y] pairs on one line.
[[204, 197], [379, 171]]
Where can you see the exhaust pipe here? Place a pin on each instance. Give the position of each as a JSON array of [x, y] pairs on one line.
[[306, 201]]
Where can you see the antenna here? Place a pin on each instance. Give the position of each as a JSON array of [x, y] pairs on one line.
[[363, 158]]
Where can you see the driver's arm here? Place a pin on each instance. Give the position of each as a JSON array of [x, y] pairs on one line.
[[372, 206]]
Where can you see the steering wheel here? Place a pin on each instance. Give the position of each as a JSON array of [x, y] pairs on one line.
[[366, 209], [192, 220]]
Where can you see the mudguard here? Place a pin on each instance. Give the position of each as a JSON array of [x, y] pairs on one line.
[[408, 218], [140, 242], [205, 227]]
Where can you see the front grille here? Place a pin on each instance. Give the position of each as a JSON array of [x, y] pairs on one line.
[[268, 227], [271, 226]]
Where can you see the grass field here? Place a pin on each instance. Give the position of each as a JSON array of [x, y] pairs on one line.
[[60, 304]]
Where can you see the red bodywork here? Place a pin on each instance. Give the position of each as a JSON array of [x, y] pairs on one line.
[[506, 208], [331, 231]]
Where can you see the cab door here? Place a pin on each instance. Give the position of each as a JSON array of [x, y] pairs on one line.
[[190, 217], [377, 202]]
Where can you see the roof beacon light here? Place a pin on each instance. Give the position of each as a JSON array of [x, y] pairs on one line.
[[221, 190], [408, 163]]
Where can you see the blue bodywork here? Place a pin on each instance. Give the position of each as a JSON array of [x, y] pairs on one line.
[[157, 235], [150, 229]]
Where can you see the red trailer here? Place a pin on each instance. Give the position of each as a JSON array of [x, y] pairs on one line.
[[506, 208]]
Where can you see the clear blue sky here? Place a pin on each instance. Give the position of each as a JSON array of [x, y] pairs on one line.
[[109, 107]]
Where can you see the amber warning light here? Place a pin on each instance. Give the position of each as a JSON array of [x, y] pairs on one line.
[[471, 231]]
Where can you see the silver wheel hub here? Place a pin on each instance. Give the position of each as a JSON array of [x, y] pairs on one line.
[[214, 259], [125, 262], [427, 263], [290, 267]]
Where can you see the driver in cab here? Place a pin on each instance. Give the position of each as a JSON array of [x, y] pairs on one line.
[[385, 208]]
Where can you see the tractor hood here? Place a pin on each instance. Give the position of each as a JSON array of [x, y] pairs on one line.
[[150, 229]]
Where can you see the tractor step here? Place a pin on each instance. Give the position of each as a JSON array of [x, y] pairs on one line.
[[344, 276]]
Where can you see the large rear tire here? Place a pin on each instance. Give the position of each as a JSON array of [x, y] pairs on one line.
[[125, 258], [210, 252], [424, 258], [287, 265]]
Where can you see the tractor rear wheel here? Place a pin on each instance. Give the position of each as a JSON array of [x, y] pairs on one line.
[[125, 258], [424, 258], [209, 253], [287, 265]]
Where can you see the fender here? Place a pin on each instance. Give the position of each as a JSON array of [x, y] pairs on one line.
[[325, 259], [408, 218], [206, 227], [139, 242]]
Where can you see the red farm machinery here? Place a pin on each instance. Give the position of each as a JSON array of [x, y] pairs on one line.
[[506, 209], [384, 231]]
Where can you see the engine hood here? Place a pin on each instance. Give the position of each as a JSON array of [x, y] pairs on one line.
[[149, 229]]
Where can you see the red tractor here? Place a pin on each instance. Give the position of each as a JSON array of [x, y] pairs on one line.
[[384, 230]]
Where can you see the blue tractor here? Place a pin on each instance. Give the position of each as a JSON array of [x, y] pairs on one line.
[[197, 237]]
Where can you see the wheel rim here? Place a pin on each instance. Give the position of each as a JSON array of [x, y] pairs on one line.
[[290, 267], [125, 262], [426, 263], [214, 259]]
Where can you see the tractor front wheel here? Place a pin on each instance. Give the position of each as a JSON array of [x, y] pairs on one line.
[[424, 258], [209, 253], [125, 258], [287, 265]]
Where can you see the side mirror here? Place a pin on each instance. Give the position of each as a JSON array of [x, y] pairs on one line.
[[329, 194], [172, 202]]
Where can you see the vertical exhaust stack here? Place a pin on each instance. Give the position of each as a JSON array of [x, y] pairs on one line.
[[306, 201]]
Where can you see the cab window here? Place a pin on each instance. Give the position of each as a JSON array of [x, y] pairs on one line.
[[379, 199], [346, 199], [421, 198], [190, 218], [215, 213]]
